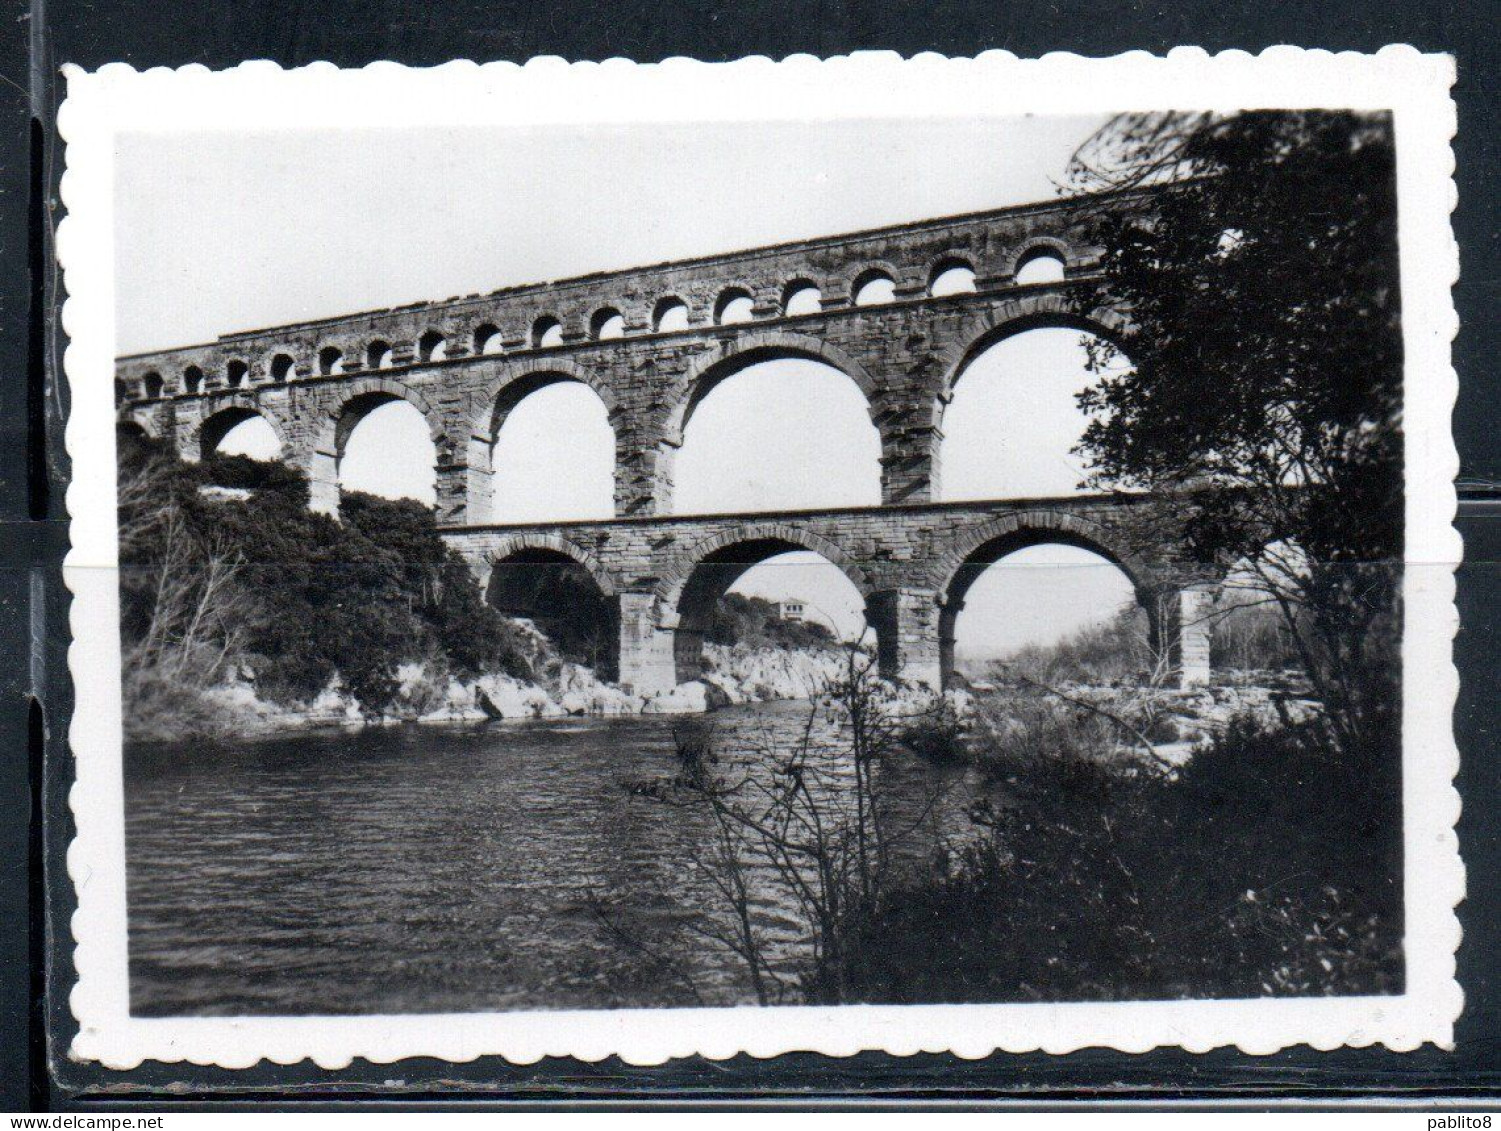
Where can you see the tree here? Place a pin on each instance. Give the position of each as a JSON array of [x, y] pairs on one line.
[[1259, 269], [803, 843], [756, 623]]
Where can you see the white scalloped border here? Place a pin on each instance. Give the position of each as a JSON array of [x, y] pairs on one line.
[[876, 84]]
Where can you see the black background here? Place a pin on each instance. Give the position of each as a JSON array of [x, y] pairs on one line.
[[35, 953]]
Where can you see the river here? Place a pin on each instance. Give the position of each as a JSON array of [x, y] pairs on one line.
[[431, 869]]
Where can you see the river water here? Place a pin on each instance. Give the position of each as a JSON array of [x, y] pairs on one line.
[[428, 869]]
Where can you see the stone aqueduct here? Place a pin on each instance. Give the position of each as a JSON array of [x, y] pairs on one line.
[[652, 343]]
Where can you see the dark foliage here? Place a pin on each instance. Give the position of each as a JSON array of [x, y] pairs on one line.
[[356, 597], [754, 622], [937, 735], [1263, 867], [1266, 342], [1270, 279], [565, 603]]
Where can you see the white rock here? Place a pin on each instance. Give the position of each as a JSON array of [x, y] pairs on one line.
[[760, 674], [503, 697], [684, 699]]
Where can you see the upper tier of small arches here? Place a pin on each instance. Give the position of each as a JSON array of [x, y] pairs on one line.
[[552, 321]]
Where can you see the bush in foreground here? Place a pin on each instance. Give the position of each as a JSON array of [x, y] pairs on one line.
[[1263, 867]]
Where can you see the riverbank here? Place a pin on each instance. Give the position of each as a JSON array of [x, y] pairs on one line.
[[732, 676]]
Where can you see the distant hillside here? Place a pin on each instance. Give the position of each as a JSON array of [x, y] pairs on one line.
[[754, 622]]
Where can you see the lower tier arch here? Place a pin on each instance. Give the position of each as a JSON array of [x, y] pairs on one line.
[[563, 592]]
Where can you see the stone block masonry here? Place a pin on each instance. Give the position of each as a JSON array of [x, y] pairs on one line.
[[465, 363], [912, 564], [652, 342]]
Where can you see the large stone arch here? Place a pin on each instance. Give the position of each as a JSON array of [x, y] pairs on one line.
[[132, 433], [690, 588], [1032, 527], [540, 575], [734, 355], [222, 413], [553, 543], [354, 401], [492, 404], [973, 551], [143, 421], [1016, 316], [358, 397], [675, 575], [914, 461], [517, 380], [740, 352]]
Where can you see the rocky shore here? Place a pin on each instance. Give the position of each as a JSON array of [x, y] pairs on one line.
[[732, 675]]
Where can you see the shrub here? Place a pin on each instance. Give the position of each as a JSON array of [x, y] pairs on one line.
[[756, 623], [1118, 649], [937, 735], [1251, 635], [311, 597], [1265, 866]]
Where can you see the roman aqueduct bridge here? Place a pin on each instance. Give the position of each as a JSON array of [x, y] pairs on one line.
[[652, 343]]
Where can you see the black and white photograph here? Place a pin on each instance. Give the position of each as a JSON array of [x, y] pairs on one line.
[[605, 568]]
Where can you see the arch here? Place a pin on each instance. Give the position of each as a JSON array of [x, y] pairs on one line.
[[522, 378], [282, 367], [562, 590], [669, 315], [192, 380], [152, 385], [734, 306], [513, 544], [547, 332], [571, 445], [378, 354], [432, 346], [801, 296], [355, 403], [330, 361], [122, 392], [487, 339], [212, 429], [772, 537], [236, 374], [1017, 316], [1039, 247], [606, 323], [730, 357], [987, 543], [972, 552], [1041, 268], [870, 287], [1028, 365], [951, 275], [690, 589]]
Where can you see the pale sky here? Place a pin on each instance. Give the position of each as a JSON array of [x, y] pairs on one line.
[[220, 233]]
